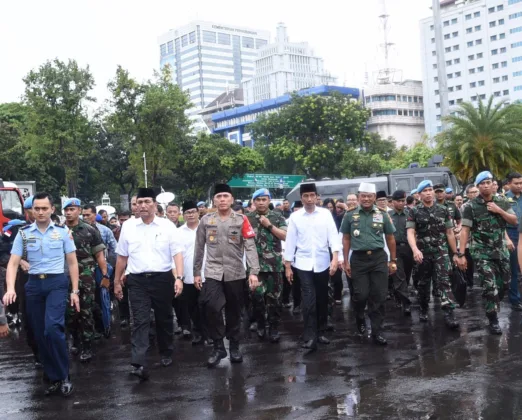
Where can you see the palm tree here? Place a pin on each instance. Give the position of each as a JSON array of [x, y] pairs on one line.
[[485, 138]]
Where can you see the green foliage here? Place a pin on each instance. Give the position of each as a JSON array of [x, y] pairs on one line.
[[489, 137], [310, 135]]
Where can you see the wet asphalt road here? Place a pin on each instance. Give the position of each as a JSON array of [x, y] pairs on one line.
[[425, 372]]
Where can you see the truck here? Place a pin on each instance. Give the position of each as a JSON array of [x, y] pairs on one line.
[[11, 203], [398, 179]]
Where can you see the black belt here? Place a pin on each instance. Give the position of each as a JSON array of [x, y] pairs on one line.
[[368, 252], [150, 274], [44, 276]]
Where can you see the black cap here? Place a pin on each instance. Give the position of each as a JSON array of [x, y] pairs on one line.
[[307, 188], [222, 188], [438, 187], [381, 194], [146, 193], [188, 205], [399, 195]]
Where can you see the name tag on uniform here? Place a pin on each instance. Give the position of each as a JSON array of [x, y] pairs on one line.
[[378, 218]]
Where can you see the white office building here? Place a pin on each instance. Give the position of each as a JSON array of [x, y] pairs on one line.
[[397, 111], [284, 67], [207, 58], [482, 52]]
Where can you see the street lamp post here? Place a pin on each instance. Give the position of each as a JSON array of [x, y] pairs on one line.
[[145, 169]]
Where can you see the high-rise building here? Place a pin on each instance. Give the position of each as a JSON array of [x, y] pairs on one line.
[[482, 48], [397, 111], [284, 67], [208, 57]]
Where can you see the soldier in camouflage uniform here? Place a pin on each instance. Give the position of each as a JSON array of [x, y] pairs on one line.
[[89, 247], [430, 230], [485, 219], [270, 229]]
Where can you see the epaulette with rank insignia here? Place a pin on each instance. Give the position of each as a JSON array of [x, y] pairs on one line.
[[60, 226], [26, 227]]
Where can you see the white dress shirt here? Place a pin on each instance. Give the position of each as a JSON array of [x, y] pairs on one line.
[[150, 248], [187, 239], [308, 238]]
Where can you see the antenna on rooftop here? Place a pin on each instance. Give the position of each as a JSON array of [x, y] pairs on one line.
[[386, 75]]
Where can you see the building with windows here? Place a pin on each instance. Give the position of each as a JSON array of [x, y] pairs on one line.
[[284, 67], [482, 41], [397, 110], [233, 123], [208, 57]]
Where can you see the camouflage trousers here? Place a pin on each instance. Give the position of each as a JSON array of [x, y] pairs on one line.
[[434, 269], [494, 276], [81, 324], [266, 299]]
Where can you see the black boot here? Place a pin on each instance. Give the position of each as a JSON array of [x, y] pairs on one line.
[[494, 327], [76, 345], [423, 315], [53, 388], [66, 387], [450, 320], [235, 353], [86, 353], [217, 354], [274, 334], [361, 325]]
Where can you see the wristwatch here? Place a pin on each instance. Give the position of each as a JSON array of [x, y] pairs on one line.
[[76, 292], [106, 276], [180, 278], [460, 254], [393, 260], [270, 227]]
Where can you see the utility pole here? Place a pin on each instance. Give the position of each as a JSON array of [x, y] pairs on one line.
[[441, 63], [145, 169]]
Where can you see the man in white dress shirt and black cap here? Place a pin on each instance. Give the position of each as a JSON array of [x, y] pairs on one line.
[[311, 232], [147, 247]]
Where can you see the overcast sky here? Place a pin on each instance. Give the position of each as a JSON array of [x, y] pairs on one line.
[[106, 33]]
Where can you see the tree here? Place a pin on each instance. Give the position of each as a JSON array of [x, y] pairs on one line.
[[485, 138], [310, 135], [214, 159], [420, 152], [58, 132]]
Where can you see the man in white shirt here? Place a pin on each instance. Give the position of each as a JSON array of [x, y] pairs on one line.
[[190, 298], [311, 232], [147, 247]]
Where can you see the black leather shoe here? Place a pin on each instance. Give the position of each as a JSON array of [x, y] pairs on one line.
[[187, 335], [361, 325], [423, 316], [261, 331], [296, 310], [273, 333], [517, 307], [450, 320], [141, 373], [218, 353], [86, 353], [166, 361], [253, 326], [197, 340], [178, 330], [379, 339], [406, 309], [494, 327], [66, 387], [124, 323], [208, 342], [310, 345], [235, 353], [53, 388], [323, 340]]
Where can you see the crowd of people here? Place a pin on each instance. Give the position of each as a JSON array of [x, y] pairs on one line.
[[199, 272]]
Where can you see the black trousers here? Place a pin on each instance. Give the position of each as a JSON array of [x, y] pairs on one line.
[[183, 322], [402, 277], [190, 308], [216, 296], [337, 281], [123, 304], [370, 285], [294, 288], [146, 293], [314, 287]]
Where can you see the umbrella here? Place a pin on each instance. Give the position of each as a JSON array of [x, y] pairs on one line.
[[105, 298], [459, 286]]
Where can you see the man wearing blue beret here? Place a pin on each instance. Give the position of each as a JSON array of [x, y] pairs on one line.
[[430, 231], [270, 229]]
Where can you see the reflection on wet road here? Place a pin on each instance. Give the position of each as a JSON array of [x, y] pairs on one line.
[[425, 372]]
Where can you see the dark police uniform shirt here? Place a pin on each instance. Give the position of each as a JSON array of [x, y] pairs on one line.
[[366, 229]]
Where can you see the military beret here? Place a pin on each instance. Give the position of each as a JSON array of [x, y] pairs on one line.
[[439, 187], [483, 176], [72, 202], [28, 203], [399, 195], [99, 218], [414, 191], [449, 190], [423, 185], [381, 194], [262, 192], [202, 203]]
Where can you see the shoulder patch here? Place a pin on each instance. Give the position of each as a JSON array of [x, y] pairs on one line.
[[26, 227]]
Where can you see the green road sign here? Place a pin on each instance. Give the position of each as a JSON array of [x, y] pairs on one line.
[[266, 181]]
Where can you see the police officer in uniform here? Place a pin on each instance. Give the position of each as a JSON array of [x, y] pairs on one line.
[[46, 244], [404, 253], [89, 246], [430, 231], [363, 230]]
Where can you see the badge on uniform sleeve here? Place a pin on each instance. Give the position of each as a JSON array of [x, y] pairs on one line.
[[356, 232], [247, 230], [211, 238]]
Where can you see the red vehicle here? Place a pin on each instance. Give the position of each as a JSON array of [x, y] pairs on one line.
[[11, 203]]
